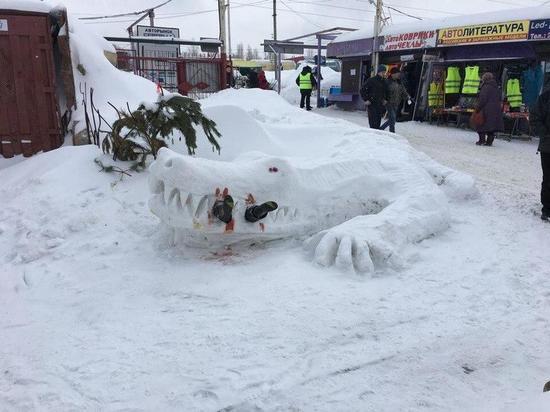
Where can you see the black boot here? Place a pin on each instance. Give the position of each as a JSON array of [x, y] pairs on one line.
[[223, 209], [258, 212]]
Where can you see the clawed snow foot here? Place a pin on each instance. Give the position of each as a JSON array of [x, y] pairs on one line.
[[347, 251]]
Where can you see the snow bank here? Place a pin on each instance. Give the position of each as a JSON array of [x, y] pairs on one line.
[[109, 83], [26, 5], [96, 316]]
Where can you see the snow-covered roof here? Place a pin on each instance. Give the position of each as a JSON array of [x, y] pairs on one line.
[[26, 5], [529, 13]]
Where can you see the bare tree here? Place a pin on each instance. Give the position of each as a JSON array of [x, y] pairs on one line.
[[249, 53], [239, 54]]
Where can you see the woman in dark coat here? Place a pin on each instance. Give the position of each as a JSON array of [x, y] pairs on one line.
[[490, 105]]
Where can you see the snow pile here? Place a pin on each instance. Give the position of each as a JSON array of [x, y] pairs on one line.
[[98, 316], [26, 5], [291, 92], [110, 85]]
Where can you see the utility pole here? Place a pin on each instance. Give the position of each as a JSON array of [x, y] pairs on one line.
[[377, 29], [276, 55], [228, 28], [274, 19], [152, 17], [221, 14]]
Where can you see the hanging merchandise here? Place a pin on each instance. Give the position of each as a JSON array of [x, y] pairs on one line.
[[471, 80], [513, 93], [452, 82], [435, 95], [531, 83]]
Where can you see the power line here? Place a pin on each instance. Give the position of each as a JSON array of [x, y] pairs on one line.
[[134, 13], [308, 13], [300, 15], [332, 6], [417, 8], [403, 13], [176, 15]]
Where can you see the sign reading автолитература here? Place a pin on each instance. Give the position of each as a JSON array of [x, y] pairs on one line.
[[484, 33], [539, 30]]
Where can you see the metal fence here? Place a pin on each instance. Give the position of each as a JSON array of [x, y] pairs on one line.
[[190, 76]]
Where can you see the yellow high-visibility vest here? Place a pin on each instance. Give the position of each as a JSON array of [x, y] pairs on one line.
[[435, 95], [452, 82], [471, 80], [513, 93], [305, 82]]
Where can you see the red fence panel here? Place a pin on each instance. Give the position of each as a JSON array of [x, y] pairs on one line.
[[193, 77]]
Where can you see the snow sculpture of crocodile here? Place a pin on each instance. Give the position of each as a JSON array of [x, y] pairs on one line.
[[355, 208]]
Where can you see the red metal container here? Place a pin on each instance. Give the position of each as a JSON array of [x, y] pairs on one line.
[[29, 116]]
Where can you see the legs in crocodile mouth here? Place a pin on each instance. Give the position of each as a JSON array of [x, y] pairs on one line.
[[223, 210], [258, 212]]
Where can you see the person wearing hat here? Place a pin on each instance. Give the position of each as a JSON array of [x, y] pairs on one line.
[[375, 93], [306, 82], [397, 93]]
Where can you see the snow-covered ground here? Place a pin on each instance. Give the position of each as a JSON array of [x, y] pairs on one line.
[[98, 315]]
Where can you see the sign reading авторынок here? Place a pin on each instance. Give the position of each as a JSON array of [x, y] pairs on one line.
[[484, 33]]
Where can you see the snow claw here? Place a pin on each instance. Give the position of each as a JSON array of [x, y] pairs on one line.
[[341, 250]]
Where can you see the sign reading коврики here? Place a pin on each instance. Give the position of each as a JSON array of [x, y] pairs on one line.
[[408, 41], [484, 33]]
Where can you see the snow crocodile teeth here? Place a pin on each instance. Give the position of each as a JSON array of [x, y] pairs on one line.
[[355, 208]]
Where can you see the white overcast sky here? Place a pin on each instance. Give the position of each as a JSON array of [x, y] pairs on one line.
[[251, 20]]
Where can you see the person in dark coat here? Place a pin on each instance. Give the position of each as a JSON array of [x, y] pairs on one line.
[[540, 121], [490, 105], [306, 82], [375, 93], [253, 79], [397, 93]]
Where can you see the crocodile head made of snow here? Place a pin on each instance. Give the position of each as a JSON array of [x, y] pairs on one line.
[[355, 196]]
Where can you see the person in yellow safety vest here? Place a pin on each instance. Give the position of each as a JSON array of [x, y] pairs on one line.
[[435, 95], [471, 80], [452, 82], [306, 82], [513, 93]]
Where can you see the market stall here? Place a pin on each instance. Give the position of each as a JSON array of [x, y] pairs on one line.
[[442, 62]]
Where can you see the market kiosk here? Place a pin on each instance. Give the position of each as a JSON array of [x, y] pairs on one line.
[[443, 61]]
